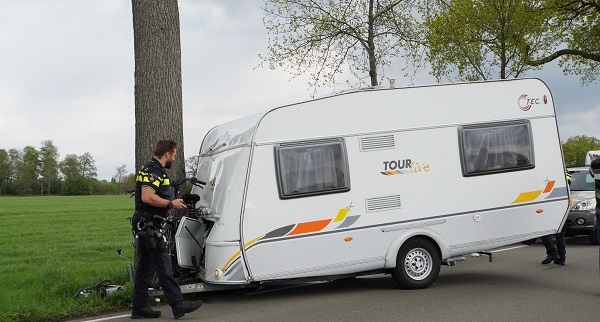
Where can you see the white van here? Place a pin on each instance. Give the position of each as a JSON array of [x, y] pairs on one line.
[[395, 180], [588, 156]]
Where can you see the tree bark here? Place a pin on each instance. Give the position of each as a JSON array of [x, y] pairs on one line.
[[158, 93], [371, 46]]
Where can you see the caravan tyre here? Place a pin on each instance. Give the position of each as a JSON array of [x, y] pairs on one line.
[[417, 265]]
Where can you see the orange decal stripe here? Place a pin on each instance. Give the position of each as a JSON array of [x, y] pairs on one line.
[[527, 196], [549, 186], [309, 227]]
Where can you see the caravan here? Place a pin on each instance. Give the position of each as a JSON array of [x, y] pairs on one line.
[[394, 180]]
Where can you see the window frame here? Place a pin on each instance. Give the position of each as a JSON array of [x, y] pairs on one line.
[[279, 148], [489, 126]]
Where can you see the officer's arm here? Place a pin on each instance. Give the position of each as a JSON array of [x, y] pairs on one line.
[[150, 197]]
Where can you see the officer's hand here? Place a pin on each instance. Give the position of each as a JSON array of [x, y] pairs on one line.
[[178, 204]]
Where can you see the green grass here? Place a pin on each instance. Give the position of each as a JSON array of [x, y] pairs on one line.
[[52, 246]]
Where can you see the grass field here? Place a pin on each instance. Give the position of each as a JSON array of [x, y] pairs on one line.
[[54, 245]]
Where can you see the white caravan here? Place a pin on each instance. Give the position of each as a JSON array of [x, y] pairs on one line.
[[394, 180]]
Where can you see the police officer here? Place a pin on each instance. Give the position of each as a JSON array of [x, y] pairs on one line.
[[556, 253], [153, 201], [595, 172]]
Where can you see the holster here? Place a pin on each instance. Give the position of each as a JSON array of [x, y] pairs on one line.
[[153, 238]]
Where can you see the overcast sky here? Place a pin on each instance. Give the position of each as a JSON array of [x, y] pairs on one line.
[[66, 75]]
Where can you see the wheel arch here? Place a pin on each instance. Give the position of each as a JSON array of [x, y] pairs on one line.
[[433, 236]]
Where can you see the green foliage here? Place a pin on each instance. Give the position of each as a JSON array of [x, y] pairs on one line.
[[49, 167], [322, 36], [471, 40], [76, 186], [581, 20], [58, 245], [4, 172], [33, 172], [575, 148], [70, 167]]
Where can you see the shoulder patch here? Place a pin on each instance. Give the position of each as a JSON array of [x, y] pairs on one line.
[[152, 176]]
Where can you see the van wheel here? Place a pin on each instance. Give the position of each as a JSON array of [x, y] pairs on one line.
[[417, 265]]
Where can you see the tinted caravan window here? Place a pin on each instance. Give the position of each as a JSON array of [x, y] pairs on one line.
[[311, 168], [496, 147]]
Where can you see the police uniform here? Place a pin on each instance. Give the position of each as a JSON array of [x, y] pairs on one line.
[[595, 171], [152, 255]]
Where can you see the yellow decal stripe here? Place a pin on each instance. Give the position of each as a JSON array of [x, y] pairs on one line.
[[341, 214], [236, 255], [230, 260], [253, 241], [527, 196]]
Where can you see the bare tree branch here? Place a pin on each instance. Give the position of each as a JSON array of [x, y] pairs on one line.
[[562, 52]]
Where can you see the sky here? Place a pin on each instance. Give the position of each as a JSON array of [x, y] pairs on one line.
[[67, 75]]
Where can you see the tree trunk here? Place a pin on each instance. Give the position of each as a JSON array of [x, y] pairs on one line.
[[371, 46], [158, 97]]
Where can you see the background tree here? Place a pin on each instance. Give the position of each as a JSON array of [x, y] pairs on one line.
[[576, 147], [15, 160], [29, 172], [73, 181], [470, 40], [88, 166], [70, 166], [191, 164], [120, 176], [49, 166], [320, 36], [4, 172], [580, 22], [158, 93]]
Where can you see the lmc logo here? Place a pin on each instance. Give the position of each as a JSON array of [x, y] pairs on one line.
[[524, 102]]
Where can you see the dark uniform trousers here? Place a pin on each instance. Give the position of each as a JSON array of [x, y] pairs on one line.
[[150, 261], [561, 245]]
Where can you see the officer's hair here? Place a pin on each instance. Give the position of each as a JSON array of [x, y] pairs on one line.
[[164, 146]]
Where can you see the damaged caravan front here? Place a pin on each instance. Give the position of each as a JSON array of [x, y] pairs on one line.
[[396, 180]]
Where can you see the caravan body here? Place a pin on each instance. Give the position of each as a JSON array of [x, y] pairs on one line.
[[343, 184]]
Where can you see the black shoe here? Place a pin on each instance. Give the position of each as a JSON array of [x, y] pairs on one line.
[[145, 313], [549, 259], [182, 307], [559, 261]]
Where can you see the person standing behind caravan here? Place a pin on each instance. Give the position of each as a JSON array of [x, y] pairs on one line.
[[595, 172], [153, 201], [556, 253]]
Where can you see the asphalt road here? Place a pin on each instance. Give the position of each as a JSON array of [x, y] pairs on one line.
[[514, 287]]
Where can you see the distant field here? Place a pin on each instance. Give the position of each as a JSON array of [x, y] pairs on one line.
[[54, 245]]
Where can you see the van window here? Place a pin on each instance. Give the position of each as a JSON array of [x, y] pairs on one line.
[[311, 168], [496, 147]]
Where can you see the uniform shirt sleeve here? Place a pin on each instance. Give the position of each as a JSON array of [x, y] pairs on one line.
[[151, 178]]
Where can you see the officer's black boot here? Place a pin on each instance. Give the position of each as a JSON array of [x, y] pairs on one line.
[[146, 312], [182, 307]]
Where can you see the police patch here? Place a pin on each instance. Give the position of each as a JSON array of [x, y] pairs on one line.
[[152, 177]]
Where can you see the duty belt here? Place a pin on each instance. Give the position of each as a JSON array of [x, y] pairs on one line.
[[148, 219]]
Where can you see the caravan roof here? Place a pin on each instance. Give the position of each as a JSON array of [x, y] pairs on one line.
[[390, 109]]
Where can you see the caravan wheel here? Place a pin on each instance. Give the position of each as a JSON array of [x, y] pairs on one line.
[[417, 265]]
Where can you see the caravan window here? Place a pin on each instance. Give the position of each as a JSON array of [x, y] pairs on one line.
[[311, 168], [496, 147]]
